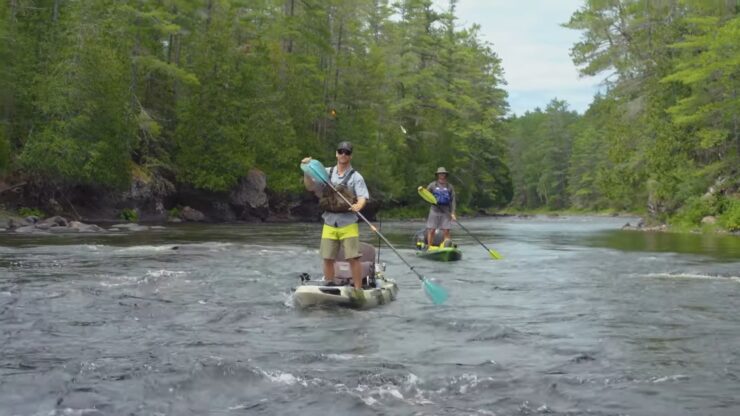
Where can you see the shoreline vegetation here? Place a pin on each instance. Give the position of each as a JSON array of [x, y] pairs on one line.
[[187, 111], [33, 220]]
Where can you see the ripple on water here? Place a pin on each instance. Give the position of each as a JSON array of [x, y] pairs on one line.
[[201, 322]]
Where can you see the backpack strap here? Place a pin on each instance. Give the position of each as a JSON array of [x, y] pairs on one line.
[[346, 178]]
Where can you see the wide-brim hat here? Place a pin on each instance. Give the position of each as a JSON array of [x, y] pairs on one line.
[[441, 170]]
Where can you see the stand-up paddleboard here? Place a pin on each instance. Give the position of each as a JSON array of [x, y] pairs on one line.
[[376, 288]]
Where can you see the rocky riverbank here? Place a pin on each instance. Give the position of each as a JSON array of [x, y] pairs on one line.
[[153, 200]]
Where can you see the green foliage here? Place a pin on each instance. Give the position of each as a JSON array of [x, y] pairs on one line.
[[88, 127], [31, 212], [199, 93], [4, 152], [540, 146], [696, 208], [129, 215], [666, 129], [730, 218], [174, 212]]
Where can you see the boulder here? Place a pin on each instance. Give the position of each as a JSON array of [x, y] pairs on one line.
[[250, 191], [190, 214], [55, 221], [709, 220], [83, 228], [249, 198]]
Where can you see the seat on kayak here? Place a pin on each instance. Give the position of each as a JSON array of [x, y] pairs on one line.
[[367, 261], [420, 240]]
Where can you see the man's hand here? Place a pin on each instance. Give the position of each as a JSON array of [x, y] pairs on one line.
[[357, 207], [305, 160], [454, 217]]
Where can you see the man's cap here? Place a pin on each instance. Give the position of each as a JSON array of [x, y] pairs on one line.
[[345, 146], [441, 170]]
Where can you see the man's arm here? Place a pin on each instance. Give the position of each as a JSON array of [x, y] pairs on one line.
[[453, 202], [363, 195]]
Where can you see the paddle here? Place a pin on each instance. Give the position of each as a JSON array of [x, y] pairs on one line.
[[435, 293], [429, 197]]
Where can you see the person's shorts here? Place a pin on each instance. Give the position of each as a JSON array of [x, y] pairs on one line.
[[439, 220], [332, 237]]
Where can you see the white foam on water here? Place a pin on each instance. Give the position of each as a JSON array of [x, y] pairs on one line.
[[467, 381], [74, 412], [343, 357], [368, 400], [117, 281], [245, 406], [289, 300], [694, 276], [389, 390], [412, 380], [147, 248], [280, 377], [676, 377], [164, 273]]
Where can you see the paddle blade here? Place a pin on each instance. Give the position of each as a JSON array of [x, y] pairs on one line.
[[426, 195], [437, 294], [494, 254], [316, 170]]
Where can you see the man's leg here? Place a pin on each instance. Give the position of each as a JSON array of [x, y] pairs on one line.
[[328, 250], [356, 268], [329, 270], [430, 236], [446, 233], [350, 240]]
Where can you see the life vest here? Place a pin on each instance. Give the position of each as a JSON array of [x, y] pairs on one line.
[[332, 202], [442, 194]]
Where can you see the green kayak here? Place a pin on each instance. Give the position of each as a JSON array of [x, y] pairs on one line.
[[441, 253]]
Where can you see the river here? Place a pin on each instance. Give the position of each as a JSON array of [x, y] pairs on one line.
[[578, 318]]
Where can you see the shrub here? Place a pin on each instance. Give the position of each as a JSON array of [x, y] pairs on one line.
[[730, 218], [31, 212], [174, 212], [129, 215]]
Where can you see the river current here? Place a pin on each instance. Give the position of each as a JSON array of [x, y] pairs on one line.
[[578, 318]]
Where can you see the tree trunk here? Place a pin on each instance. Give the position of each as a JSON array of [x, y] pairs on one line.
[[336, 61], [55, 12]]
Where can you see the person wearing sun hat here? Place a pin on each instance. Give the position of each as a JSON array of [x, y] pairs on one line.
[[441, 214], [340, 220]]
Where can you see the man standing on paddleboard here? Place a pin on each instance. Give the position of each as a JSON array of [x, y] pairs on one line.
[[443, 212], [340, 220]]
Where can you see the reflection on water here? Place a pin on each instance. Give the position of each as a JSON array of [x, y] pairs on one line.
[[719, 246]]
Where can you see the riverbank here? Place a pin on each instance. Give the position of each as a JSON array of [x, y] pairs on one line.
[[301, 208]]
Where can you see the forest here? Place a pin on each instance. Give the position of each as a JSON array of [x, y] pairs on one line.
[[96, 95]]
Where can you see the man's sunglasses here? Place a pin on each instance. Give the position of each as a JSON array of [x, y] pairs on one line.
[[344, 152]]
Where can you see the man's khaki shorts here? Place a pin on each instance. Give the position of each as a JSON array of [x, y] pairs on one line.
[[332, 237]]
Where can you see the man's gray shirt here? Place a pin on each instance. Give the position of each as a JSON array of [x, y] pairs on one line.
[[357, 184]]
